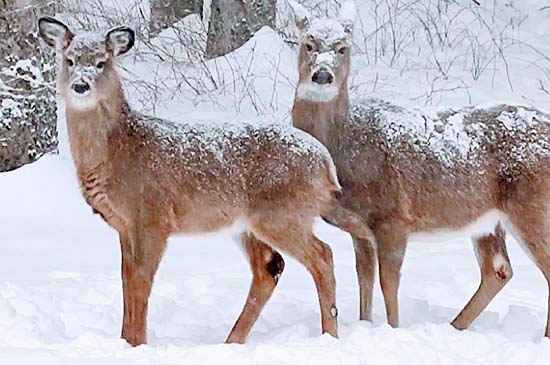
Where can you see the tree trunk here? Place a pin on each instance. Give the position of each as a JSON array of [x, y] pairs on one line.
[[233, 22], [28, 112]]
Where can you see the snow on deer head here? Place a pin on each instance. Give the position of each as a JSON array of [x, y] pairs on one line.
[[324, 55], [87, 66]]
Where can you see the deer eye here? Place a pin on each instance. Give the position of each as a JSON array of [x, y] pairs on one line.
[[100, 64], [69, 62], [342, 50], [309, 47]]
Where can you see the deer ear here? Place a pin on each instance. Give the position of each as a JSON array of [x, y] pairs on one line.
[[301, 15], [54, 33], [120, 40], [348, 13]]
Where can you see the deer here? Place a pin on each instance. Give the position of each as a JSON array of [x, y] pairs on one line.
[[411, 174], [150, 178]]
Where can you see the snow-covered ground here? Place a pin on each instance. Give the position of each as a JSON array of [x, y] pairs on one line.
[[60, 289], [61, 296]]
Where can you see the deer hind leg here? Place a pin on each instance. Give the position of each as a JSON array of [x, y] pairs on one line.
[[530, 222], [391, 244], [496, 271], [365, 263], [141, 255], [295, 237], [267, 265], [540, 250]]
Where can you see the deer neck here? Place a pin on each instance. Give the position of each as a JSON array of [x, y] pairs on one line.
[[89, 130], [323, 120]]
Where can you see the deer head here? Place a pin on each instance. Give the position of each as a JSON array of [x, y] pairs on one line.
[[324, 55], [87, 68]]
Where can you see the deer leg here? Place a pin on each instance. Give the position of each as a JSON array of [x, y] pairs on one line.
[[533, 235], [267, 265], [540, 251], [365, 263], [365, 254], [496, 271], [321, 267], [390, 246], [318, 261], [141, 255], [529, 217], [315, 255], [347, 220]]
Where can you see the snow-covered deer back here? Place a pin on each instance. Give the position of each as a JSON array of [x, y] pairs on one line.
[[149, 178], [410, 172]]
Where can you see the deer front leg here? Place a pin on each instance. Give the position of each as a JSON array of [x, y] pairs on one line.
[[267, 265], [391, 243], [141, 255], [496, 271]]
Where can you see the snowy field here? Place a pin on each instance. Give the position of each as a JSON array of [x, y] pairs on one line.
[[61, 296], [60, 287]]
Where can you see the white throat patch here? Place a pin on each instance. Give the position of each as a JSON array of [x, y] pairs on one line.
[[78, 102], [316, 93]]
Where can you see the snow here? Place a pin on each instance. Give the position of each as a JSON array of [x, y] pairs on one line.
[[448, 139], [300, 13], [328, 31], [522, 119], [25, 69], [454, 135], [348, 14], [61, 296], [60, 289], [216, 136]]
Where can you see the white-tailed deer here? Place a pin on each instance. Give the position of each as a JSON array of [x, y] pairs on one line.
[[149, 178], [406, 172]]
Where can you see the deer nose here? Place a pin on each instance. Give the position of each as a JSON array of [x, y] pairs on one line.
[[81, 87], [322, 77]]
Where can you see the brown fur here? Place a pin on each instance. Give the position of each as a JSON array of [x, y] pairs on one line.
[[399, 187], [137, 179]]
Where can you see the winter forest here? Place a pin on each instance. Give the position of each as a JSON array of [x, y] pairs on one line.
[[326, 181]]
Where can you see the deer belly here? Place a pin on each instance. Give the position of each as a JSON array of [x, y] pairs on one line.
[[483, 225], [209, 219]]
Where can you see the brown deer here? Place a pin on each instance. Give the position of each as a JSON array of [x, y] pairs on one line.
[[149, 178], [407, 173]]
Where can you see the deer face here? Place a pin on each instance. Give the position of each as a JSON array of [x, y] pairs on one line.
[[87, 66], [324, 55]]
